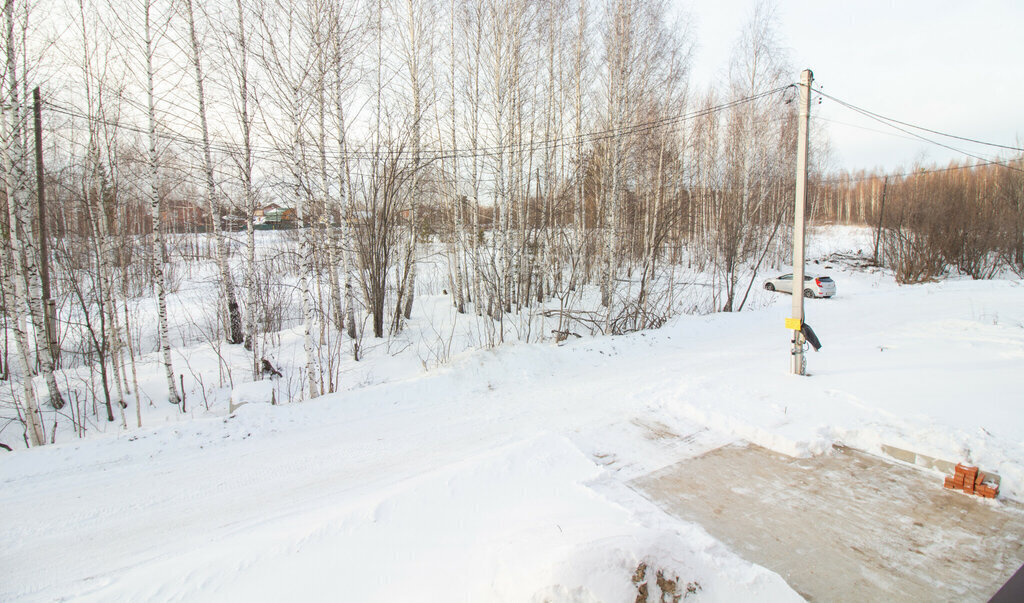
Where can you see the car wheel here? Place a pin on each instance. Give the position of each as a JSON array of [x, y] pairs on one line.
[[769, 286], [808, 293]]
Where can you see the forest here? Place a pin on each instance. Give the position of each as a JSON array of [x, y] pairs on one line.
[[549, 167]]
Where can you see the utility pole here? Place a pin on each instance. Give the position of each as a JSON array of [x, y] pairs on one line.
[[798, 365], [49, 306]]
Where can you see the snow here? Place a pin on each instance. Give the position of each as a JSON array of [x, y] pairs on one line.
[[503, 474]]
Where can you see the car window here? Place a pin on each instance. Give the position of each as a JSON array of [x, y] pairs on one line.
[[786, 277]]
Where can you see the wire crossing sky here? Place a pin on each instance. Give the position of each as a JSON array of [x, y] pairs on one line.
[[268, 153], [949, 66]]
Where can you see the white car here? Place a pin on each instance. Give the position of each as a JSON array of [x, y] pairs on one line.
[[814, 286]]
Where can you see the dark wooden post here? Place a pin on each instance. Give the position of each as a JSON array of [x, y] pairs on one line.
[[49, 306]]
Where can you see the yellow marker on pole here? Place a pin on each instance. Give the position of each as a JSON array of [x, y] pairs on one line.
[[793, 324]]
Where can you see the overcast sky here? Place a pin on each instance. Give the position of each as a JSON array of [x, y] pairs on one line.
[[956, 67]]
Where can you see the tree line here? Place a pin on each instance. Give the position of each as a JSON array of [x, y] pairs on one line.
[[556, 155], [930, 221]]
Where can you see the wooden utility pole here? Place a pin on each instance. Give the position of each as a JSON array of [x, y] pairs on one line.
[[799, 364], [49, 306]]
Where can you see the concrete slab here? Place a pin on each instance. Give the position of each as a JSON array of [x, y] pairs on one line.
[[847, 526]]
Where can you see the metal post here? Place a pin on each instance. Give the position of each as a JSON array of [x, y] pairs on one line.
[[798, 363]]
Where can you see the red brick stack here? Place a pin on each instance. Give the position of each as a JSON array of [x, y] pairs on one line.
[[971, 481]]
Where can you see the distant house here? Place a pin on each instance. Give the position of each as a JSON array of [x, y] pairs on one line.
[[274, 217], [259, 215]]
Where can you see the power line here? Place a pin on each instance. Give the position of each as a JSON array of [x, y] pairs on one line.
[[916, 127], [531, 146], [890, 122], [865, 128]]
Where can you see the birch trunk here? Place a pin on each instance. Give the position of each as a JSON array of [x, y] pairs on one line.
[[131, 358], [307, 265], [330, 240], [344, 190], [33, 418], [500, 222], [579, 200], [306, 253], [474, 127], [408, 286], [458, 243], [233, 318], [110, 332], [249, 199], [18, 157], [157, 255]]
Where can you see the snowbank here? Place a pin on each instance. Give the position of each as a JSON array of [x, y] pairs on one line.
[[504, 475]]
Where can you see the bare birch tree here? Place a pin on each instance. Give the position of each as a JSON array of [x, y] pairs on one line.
[[288, 56], [157, 254], [17, 292], [346, 35], [18, 174], [752, 145], [245, 163], [416, 16], [233, 320]]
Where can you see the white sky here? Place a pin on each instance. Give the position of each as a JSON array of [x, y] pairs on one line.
[[949, 66]]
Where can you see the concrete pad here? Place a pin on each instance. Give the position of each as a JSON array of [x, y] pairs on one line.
[[847, 526]]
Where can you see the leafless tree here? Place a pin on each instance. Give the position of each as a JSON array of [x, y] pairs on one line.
[[26, 258], [233, 320]]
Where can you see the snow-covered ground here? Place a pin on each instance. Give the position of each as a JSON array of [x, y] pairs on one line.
[[503, 475]]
